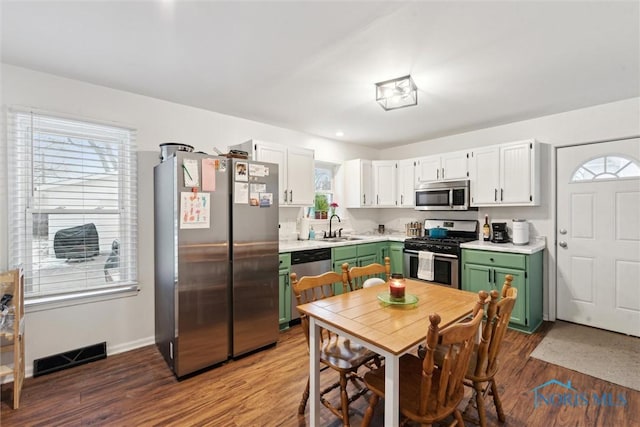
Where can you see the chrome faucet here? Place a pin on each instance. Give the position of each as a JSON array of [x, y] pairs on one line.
[[330, 219]]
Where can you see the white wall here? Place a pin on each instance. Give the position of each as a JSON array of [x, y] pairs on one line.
[[126, 323]]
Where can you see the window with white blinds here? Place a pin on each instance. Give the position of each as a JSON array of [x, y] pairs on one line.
[[72, 205]]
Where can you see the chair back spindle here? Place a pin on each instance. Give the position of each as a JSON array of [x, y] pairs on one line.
[[355, 277]]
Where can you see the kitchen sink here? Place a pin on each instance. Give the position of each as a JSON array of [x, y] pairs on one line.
[[342, 239]]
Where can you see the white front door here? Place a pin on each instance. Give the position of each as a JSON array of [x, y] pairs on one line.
[[598, 235]]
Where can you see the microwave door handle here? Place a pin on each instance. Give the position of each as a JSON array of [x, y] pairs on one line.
[[451, 198]]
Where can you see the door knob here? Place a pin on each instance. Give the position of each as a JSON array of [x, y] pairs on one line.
[[562, 231], [563, 244]]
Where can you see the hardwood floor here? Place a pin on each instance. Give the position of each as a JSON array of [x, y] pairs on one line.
[[137, 389]]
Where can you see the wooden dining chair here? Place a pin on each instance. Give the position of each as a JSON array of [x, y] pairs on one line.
[[429, 393], [484, 359], [365, 276], [336, 352]]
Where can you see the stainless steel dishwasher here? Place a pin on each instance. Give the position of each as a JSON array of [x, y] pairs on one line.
[[308, 263]]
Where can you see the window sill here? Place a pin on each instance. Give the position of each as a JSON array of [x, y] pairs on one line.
[[58, 301]]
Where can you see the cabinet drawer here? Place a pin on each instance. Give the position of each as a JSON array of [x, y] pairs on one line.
[[366, 249], [494, 259], [344, 252], [285, 260]]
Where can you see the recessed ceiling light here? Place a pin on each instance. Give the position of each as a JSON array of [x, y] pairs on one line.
[[339, 133]]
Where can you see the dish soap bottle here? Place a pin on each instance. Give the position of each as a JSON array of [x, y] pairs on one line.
[[312, 233], [486, 230]]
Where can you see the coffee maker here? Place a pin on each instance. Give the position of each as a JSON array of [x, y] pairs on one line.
[[499, 234]]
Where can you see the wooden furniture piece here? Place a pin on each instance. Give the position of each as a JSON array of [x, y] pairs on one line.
[[12, 335], [484, 360], [356, 277], [336, 352], [388, 330], [486, 269], [354, 255], [429, 392]]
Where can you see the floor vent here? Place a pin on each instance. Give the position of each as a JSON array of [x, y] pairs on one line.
[[69, 359]]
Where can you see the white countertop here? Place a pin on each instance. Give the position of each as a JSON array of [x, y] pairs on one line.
[[533, 246], [301, 245]]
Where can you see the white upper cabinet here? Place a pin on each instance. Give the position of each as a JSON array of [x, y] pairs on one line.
[[454, 165], [384, 183], [427, 169], [296, 170], [506, 174], [358, 183], [405, 183], [442, 167], [300, 176]]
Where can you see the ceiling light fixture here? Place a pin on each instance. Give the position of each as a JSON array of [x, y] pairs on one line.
[[397, 93], [339, 133]]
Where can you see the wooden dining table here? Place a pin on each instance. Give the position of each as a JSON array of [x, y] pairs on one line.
[[390, 330]]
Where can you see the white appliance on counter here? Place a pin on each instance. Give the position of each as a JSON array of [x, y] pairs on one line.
[[520, 232]]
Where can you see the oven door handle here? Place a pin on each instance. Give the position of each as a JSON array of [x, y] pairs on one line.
[[410, 251]]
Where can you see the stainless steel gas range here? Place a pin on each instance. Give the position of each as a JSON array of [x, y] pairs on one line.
[[446, 249]]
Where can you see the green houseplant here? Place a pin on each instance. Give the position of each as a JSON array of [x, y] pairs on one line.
[[321, 206]]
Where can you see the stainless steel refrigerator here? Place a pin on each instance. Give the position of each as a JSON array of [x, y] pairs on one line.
[[216, 259]]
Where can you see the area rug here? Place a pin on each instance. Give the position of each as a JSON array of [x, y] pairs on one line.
[[606, 355]]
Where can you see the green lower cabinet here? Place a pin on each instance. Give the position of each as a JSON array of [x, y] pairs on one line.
[[486, 270], [366, 260], [397, 257], [383, 252], [519, 313], [339, 256], [284, 286]]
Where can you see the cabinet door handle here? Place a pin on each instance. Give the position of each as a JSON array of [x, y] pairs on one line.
[[291, 196], [501, 193], [442, 173], [495, 194], [285, 196], [489, 272], [437, 173], [401, 199], [286, 281], [377, 200]]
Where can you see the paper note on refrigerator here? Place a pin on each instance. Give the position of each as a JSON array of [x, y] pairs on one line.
[[208, 174], [258, 170], [195, 210], [191, 175], [241, 193]]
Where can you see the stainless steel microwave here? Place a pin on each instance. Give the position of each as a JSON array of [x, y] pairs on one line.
[[443, 196]]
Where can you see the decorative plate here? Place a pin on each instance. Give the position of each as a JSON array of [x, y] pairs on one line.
[[408, 299]]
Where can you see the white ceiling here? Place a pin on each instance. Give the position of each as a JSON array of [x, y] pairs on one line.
[[311, 66]]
